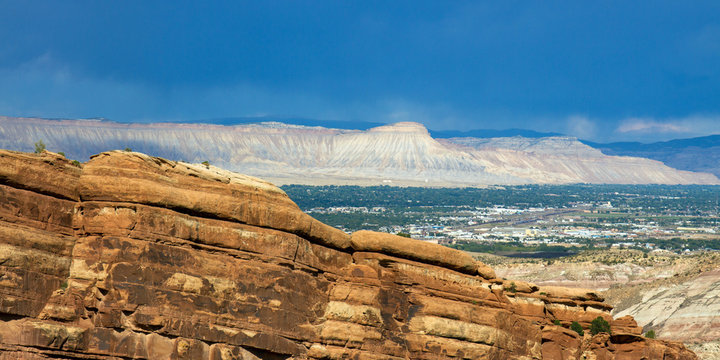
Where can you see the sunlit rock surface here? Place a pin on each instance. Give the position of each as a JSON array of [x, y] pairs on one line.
[[137, 257], [676, 296], [687, 310], [398, 154]]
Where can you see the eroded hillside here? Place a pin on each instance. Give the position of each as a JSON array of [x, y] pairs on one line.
[[676, 296], [397, 154]]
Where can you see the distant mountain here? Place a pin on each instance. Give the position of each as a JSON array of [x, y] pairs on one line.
[[701, 154], [490, 133], [694, 154], [397, 154], [365, 125]]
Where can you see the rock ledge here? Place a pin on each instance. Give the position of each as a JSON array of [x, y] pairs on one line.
[[134, 257]]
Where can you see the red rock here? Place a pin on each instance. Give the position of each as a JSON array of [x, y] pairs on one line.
[[138, 257], [560, 343], [415, 250]]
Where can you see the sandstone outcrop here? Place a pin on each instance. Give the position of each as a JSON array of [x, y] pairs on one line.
[[136, 257], [676, 296]]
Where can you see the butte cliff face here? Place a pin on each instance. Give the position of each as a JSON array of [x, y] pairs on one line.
[[135, 257], [397, 154]]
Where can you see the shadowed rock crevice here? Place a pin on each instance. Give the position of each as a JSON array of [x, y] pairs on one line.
[[166, 260]]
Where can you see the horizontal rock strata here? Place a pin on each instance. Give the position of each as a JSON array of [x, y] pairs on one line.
[[396, 154], [135, 257]]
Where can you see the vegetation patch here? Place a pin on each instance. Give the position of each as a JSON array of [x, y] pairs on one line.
[[599, 325]]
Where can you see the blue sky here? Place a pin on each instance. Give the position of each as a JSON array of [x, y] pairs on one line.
[[601, 70]]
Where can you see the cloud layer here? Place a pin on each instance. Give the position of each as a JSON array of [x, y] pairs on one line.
[[606, 71]]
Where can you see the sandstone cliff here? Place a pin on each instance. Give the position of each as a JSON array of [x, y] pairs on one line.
[[676, 296], [135, 257], [397, 154]]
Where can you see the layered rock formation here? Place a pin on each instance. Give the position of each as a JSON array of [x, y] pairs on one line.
[[693, 154], [135, 257], [676, 296], [397, 154], [688, 311], [684, 307]]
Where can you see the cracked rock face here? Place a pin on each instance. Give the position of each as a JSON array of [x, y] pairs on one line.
[[135, 257]]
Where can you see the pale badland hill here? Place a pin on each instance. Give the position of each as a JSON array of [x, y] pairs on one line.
[[397, 154], [676, 296]]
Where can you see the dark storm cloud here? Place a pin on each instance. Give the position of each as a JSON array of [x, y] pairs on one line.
[[541, 65]]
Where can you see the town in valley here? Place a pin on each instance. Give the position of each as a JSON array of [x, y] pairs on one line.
[[527, 220]]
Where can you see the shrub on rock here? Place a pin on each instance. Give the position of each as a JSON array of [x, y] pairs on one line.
[[599, 325], [575, 326]]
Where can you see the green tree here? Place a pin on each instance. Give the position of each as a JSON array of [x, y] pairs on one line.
[[575, 326], [206, 163], [403, 234], [599, 325], [650, 334], [39, 147]]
